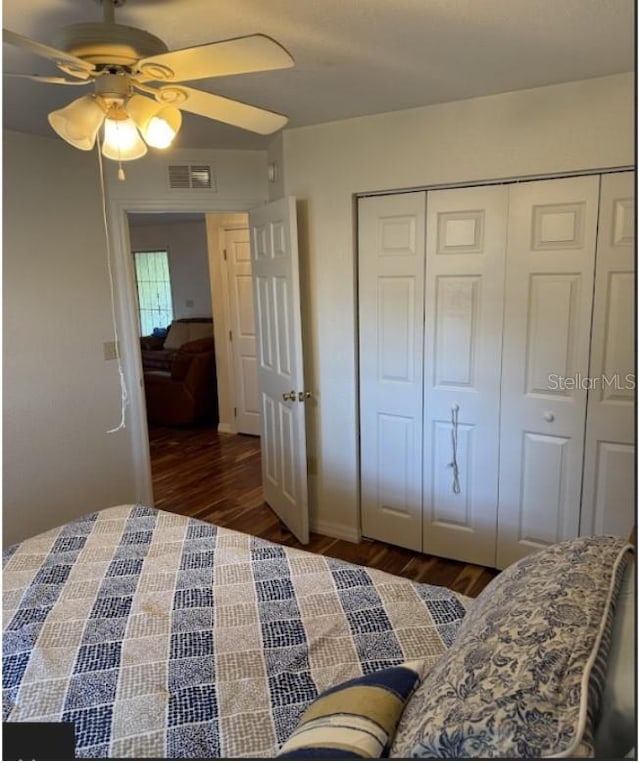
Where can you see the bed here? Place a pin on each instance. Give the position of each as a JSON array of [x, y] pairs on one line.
[[160, 636]]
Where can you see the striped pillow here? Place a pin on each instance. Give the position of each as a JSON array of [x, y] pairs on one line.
[[356, 719]]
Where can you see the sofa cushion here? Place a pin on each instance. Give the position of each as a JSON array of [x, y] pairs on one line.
[[184, 330], [524, 675], [198, 345], [180, 366], [157, 360], [197, 331], [151, 342], [178, 334]]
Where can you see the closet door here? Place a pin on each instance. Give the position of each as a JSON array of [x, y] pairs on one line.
[[391, 305], [608, 503], [464, 293], [548, 299]]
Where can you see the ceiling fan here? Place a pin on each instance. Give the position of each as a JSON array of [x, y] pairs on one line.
[[120, 62]]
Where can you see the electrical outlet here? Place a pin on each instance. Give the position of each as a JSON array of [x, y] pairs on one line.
[[110, 350]]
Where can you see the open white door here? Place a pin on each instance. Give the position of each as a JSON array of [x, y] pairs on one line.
[[276, 288]]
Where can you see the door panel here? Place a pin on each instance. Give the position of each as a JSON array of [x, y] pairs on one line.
[[548, 294], [243, 332], [466, 238], [543, 483], [608, 503], [391, 282], [274, 246]]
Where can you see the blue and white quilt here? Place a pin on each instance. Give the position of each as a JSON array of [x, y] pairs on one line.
[[161, 636]]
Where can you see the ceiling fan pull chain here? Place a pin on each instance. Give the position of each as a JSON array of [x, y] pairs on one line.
[[124, 393]]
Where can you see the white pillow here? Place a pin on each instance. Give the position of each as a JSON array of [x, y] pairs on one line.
[[616, 730], [178, 334], [199, 331]]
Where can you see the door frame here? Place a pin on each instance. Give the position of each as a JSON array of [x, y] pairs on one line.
[[127, 319]]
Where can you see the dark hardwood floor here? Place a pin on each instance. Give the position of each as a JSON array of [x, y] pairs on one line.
[[216, 477]]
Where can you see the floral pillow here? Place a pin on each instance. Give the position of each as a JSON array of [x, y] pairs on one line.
[[524, 676]]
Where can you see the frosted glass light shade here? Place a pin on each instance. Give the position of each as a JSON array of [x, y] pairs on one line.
[[122, 143], [163, 127], [141, 109], [158, 124], [79, 122]]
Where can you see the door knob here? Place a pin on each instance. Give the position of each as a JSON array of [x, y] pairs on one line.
[[289, 395], [302, 396], [549, 416]]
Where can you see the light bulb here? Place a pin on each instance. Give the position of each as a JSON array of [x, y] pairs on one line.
[[159, 133], [158, 124], [122, 141], [163, 127]]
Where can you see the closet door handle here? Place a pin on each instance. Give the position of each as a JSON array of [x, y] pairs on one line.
[[289, 396], [549, 416]]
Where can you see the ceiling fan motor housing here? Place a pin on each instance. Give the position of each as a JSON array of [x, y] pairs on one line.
[[109, 44], [113, 87]]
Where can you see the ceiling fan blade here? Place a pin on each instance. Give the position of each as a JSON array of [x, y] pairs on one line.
[[222, 109], [71, 64], [48, 80], [256, 53]]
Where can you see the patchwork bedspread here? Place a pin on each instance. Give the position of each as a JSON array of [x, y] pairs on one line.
[[163, 636]]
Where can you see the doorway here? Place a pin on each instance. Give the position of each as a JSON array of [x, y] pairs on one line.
[[207, 293], [274, 253]]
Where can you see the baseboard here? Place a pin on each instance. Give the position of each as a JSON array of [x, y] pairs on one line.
[[226, 428], [333, 530]]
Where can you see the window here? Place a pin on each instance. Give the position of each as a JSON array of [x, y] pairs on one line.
[[154, 290]]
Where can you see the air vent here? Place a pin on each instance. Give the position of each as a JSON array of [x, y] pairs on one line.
[[195, 177], [200, 176]]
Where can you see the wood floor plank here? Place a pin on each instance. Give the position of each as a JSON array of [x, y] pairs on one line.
[[216, 477]]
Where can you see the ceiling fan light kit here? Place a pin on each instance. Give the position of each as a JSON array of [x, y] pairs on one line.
[[79, 122], [122, 141], [158, 124], [120, 61]]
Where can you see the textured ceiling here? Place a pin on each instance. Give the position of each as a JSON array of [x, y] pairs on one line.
[[353, 57]]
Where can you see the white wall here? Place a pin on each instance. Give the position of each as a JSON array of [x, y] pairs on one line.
[[186, 243], [241, 179], [275, 157], [570, 127], [60, 395]]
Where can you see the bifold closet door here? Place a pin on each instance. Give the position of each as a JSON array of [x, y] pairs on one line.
[[391, 306], [547, 324], [608, 499], [464, 295]]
